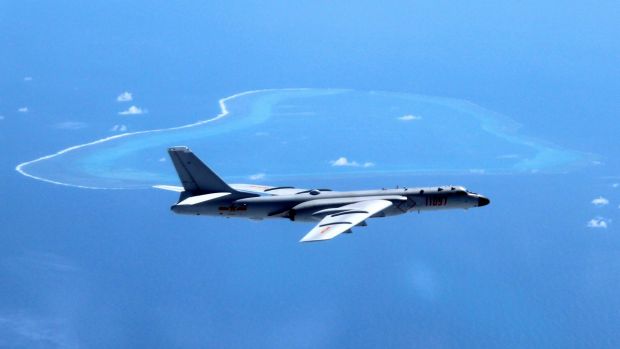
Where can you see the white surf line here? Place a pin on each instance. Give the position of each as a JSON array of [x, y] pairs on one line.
[[223, 112]]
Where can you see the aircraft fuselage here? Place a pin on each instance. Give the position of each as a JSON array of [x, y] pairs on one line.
[[336, 212], [304, 206]]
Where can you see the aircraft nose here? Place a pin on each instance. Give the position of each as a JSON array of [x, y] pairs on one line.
[[482, 201]]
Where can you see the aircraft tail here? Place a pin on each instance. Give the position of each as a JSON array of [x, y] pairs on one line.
[[195, 176]]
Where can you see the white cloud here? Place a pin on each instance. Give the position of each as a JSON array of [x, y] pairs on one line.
[[257, 176], [600, 201], [23, 110], [119, 128], [599, 222], [344, 162], [409, 117], [124, 97], [133, 110], [70, 125], [1, 117], [28, 78], [615, 185], [162, 160]]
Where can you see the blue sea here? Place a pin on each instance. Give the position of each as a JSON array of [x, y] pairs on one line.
[[514, 101]]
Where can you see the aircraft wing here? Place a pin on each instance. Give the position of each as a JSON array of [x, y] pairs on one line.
[[345, 218], [252, 188], [268, 190]]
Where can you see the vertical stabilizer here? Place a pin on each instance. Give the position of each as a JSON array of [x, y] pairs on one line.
[[195, 176]]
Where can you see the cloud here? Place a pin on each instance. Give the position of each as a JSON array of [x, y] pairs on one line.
[[600, 201], [71, 125], [615, 185], [124, 97], [599, 222], [133, 110], [162, 159], [119, 128], [261, 134], [257, 176], [409, 117], [477, 171], [344, 162], [1, 117], [23, 110], [28, 78]]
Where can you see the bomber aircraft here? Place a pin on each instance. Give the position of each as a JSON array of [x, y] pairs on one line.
[[204, 193]]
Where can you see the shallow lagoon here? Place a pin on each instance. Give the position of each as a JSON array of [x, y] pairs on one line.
[[262, 135]]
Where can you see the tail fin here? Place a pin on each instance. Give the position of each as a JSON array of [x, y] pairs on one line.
[[195, 176]]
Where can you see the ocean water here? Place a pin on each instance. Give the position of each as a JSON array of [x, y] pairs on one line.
[[514, 101], [301, 133], [524, 271]]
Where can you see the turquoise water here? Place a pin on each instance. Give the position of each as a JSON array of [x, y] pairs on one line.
[[538, 268], [262, 135]]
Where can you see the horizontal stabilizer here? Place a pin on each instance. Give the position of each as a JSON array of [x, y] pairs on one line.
[[169, 187], [198, 199]]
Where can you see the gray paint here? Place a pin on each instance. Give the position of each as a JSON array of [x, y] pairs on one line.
[[301, 205]]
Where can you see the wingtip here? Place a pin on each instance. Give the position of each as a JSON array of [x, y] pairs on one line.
[[169, 187], [306, 239]]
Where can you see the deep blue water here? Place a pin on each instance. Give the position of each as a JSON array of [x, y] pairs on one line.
[[115, 268]]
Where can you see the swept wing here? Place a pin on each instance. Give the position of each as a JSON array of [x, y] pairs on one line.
[[269, 190], [345, 218]]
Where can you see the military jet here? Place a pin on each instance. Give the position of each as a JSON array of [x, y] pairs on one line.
[[334, 212]]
